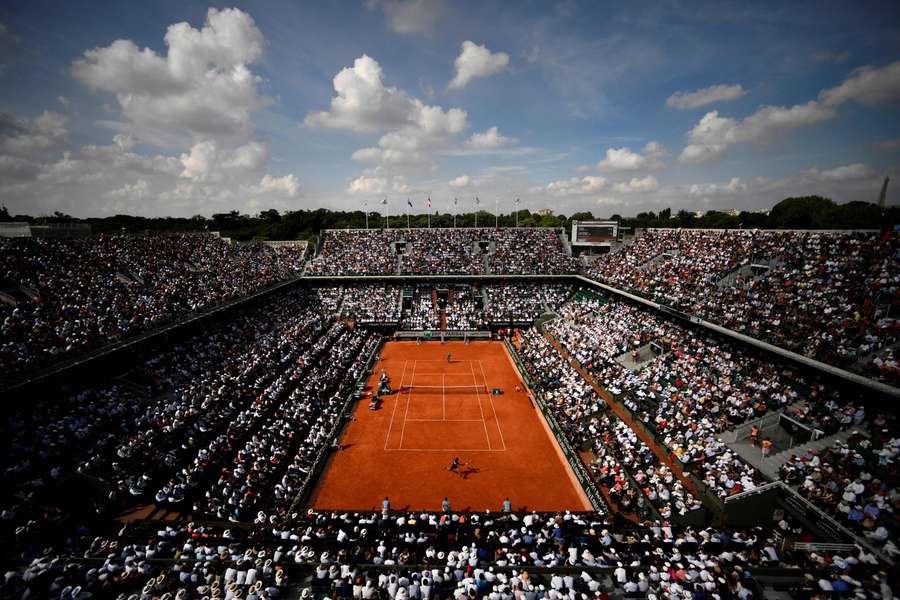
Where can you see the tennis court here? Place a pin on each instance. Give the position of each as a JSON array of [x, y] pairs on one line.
[[441, 402], [440, 410]]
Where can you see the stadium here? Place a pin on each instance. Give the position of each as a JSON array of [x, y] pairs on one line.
[[433, 407], [449, 300]]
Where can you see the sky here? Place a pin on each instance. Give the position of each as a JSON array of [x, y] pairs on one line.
[[178, 108]]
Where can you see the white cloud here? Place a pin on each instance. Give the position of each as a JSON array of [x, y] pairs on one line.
[[867, 85], [708, 95], [489, 140], [579, 186], [853, 171], [476, 61], [139, 190], [199, 164], [370, 184], [251, 156], [32, 138], [64, 100], [624, 159], [202, 86], [206, 162], [733, 185], [646, 184], [364, 104], [461, 181], [410, 16], [287, 185], [15, 168], [712, 135], [413, 130]]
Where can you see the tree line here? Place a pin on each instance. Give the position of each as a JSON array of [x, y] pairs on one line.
[[809, 212]]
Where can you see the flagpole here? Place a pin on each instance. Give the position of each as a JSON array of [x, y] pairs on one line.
[[476, 212], [454, 212], [517, 213], [366, 207], [428, 206], [407, 213], [496, 213]]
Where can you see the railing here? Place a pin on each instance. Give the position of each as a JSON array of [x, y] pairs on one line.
[[824, 547], [754, 492], [743, 431]]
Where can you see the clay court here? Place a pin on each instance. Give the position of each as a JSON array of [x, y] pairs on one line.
[[443, 410]]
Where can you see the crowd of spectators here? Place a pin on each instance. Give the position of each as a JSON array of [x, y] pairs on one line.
[[225, 424], [853, 480], [229, 426], [824, 294], [69, 296], [689, 390], [622, 457], [462, 312], [372, 303], [428, 556], [354, 252], [443, 251], [424, 314], [457, 251], [625, 468], [523, 302], [531, 250]]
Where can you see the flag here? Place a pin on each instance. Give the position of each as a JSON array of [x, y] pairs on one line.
[[384, 201], [428, 202], [408, 201], [455, 201], [477, 201], [517, 201]]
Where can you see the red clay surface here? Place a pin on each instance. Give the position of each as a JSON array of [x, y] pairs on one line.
[[402, 450]]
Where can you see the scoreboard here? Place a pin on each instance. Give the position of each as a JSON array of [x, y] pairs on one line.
[[594, 233]]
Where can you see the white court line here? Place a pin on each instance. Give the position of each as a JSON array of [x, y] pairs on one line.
[[444, 420], [493, 408], [480, 408], [443, 397], [441, 450], [391, 425], [408, 399]]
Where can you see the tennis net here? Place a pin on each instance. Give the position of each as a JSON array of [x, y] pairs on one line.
[[445, 389]]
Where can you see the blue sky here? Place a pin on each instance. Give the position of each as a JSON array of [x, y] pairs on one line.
[[573, 106]]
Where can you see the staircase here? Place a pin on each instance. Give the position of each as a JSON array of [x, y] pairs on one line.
[[782, 457], [771, 465], [567, 248], [492, 247], [658, 259]]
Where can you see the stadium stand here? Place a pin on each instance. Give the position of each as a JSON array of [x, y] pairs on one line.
[[185, 475], [68, 296], [826, 295], [462, 251]]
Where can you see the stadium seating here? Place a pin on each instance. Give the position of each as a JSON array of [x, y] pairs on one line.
[[210, 443], [463, 251], [822, 294], [77, 295]]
